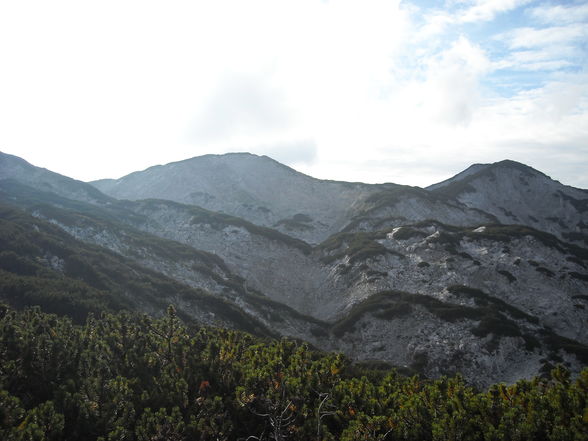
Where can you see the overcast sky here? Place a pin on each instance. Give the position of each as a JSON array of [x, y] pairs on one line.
[[409, 92]]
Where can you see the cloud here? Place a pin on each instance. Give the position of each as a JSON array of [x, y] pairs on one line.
[[560, 99], [486, 10], [379, 90], [450, 92], [240, 105], [551, 48], [302, 152], [476, 11], [528, 37], [560, 14], [543, 59]]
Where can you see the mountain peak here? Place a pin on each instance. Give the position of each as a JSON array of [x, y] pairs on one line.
[[518, 166], [475, 170], [256, 188], [237, 160], [518, 194]]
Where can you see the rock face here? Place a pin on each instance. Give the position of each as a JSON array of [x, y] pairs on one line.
[[267, 193], [473, 275], [254, 188], [518, 194]]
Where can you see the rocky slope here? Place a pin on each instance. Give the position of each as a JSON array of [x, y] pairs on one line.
[[13, 167], [412, 277], [193, 268], [254, 188], [461, 322], [43, 264], [267, 193], [517, 194], [401, 205], [524, 268]]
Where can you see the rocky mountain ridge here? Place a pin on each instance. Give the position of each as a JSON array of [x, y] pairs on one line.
[[412, 277], [267, 193], [517, 194]]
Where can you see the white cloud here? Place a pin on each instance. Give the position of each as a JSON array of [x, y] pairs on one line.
[[241, 104], [560, 14], [450, 92], [296, 153], [550, 58], [528, 37], [486, 10], [376, 90], [468, 11]]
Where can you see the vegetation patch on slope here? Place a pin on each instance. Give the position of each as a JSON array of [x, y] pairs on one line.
[[355, 246], [483, 299], [451, 237], [579, 204], [490, 313], [391, 303], [298, 222], [43, 265], [221, 220], [507, 233], [23, 196], [388, 198], [405, 233]]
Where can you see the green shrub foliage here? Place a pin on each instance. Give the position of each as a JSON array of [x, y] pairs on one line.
[[138, 378]]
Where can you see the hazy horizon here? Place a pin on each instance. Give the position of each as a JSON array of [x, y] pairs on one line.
[[254, 154], [410, 92]]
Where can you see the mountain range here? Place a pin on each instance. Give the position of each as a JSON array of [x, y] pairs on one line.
[[485, 273]]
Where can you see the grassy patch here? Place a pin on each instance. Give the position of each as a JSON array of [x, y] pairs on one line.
[[450, 241], [419, 362], [497, 325], [545, 271], [91, 278], [319, 332], [298, 222], [221, 220], [376, 274], [497, 305], [576, 261], [508, 275], [392, 196], [390, 304], [355, 246], [581, 205], [557, 342], [396, 310], [507, 233], [405, 233], [576, 237], [579, 276], [531, 342]]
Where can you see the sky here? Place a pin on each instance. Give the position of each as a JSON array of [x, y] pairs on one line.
[[410, 92]]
